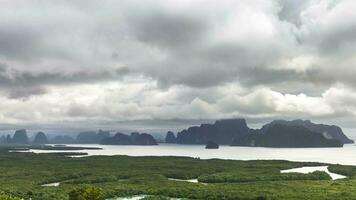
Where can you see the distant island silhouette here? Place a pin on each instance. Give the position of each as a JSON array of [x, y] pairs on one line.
[[233, 132]]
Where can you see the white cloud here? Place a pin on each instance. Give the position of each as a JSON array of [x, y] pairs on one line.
[[145, 100], [123, 60]]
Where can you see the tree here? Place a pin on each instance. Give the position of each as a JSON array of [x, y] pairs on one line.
[[87, 193]]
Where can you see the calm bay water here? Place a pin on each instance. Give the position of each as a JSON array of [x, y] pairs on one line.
[[345, 155]]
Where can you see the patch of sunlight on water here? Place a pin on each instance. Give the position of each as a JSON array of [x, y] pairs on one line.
[[189, 180], [51, 184]]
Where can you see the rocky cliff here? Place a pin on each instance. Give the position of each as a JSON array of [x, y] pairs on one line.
[[221, 132], [280, 135]]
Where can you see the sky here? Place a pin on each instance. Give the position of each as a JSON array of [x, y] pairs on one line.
[[104, 62]]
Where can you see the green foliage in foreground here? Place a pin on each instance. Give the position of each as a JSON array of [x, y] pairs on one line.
[[7, 197], [349, 171], [22, 175], [260, 175], [87, 193]]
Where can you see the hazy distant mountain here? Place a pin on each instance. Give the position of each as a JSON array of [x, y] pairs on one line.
[[328, 131], [280, 135], [40, 138], [134, 136], [8, 139], [20, 137], [88, 137], [2, 139], [102, 135], [117, 139], [62, 139], [91, 137], [5, 139], [170, 137], [221, 132], [144, 139], [134, 139]]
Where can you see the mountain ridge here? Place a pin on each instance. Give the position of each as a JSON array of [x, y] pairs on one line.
[[236, 132]]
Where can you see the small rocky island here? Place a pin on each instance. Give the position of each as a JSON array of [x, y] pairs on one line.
[[211, 145]]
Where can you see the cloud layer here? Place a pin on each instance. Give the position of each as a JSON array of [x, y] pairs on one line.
[[167, 59]]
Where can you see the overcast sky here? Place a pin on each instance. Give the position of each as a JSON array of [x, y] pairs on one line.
[[68, 61]]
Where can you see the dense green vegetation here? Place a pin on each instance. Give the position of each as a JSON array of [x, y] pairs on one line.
[[7, 197], [260, 175], [349, 171], [23, 174], [87, 193]]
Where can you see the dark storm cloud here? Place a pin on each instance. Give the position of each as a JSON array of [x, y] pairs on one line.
[[186, 46], [330, 77], [291, 10], [22, 84], [168, 30], [219, 64], [248, 77], [12, 77], [186, 49], [334, 41], [256, 76], [24, 92], [19, 41]]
